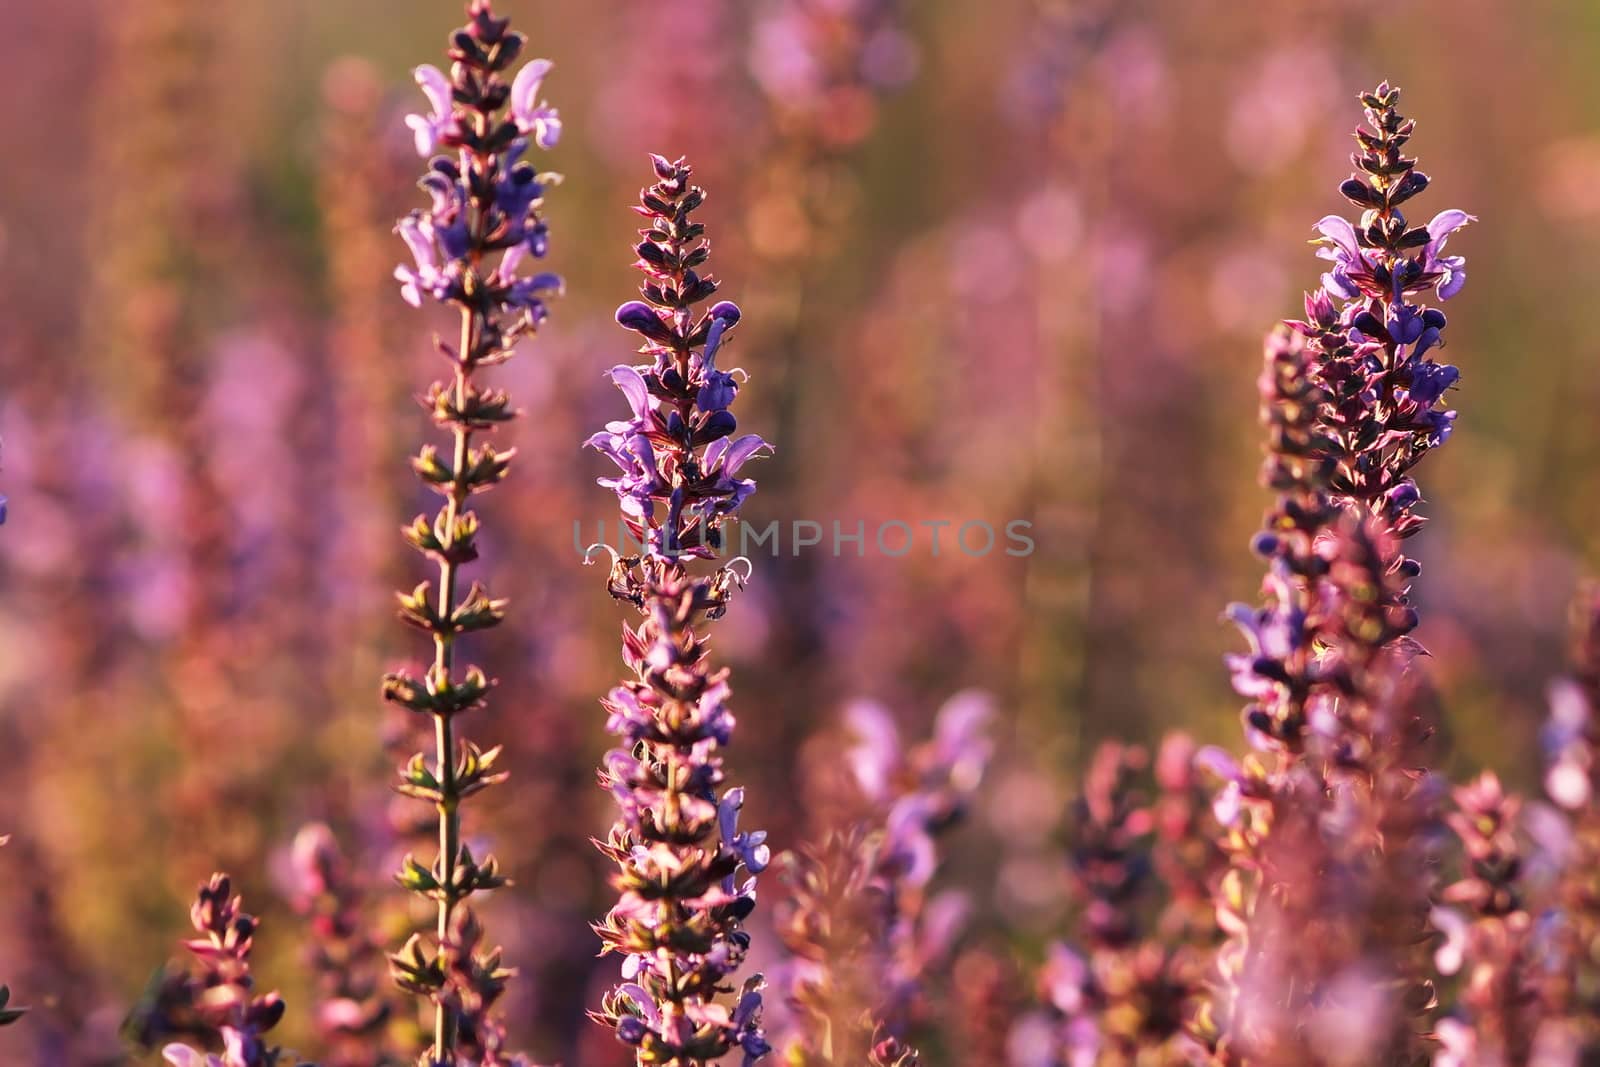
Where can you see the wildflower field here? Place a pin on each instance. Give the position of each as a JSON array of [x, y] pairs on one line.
[[822, 533]]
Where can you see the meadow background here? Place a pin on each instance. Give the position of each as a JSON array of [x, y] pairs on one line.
[[1014, 264]]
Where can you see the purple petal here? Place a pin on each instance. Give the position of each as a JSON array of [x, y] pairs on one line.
[[633, 387], [1219, 762], [708, 359], [741, 450], [531, 116], [637, 994], [1455, 276], [417, 239], [425, 135], [435, 86], [641, 317], [877, 752], [1445, 223], [525, 87], [1338, 229], [410, 289]]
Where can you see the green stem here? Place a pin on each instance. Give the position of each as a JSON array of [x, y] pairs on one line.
[[444, 1022]]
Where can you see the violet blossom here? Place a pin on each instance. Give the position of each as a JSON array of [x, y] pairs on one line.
[[685, 867], [1126, 992], [1510, 1008], [1572, 760], [1334, 825]]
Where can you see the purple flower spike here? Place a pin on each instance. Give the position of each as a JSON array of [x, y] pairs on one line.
[[860, 914], [686, 873], [483, 220], [485, 204], [1350, 399]]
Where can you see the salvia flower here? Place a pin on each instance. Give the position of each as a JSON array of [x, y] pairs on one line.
[[864, 931], [467, 246], [1495, 946], [1129, 995], [223, 992], [916, 794], [341, 952], [679, 453], [685, 866], [485, 197], [1373, 338], [1333, 824]]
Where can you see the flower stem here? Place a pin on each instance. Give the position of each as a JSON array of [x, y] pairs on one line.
[[444, 1028]]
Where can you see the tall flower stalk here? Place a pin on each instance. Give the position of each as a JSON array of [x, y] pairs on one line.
[[484, 220], [1331, 819], [685, 871]]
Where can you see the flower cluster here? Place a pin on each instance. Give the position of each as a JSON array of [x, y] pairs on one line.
[[915, 795], [1495, 946], [678, 456], [862, 929], [474, 980], [341, 953], [1186, 854], [1332, 823], [1572, 740], [830, 925], [223, 993], [483, 222], [685, 870], [486, 197], [1373, 341], [1129, 997]]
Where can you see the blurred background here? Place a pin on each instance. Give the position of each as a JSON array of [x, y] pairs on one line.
[[999, 261]]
